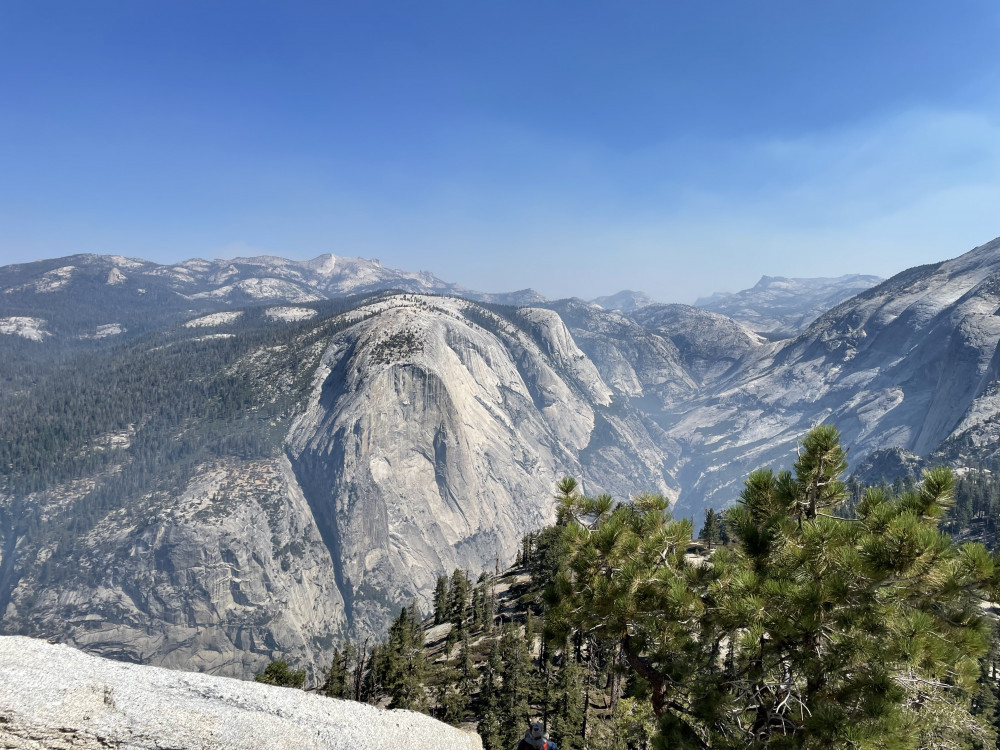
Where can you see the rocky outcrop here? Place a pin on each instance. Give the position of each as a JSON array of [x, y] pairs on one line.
[[222, 577], [640, 365], [54, 697], [434, 436], [625, 301], [710, 346], [421, 434]]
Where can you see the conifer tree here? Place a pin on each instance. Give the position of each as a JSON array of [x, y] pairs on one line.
[[567, 497], [710, 531], [441, 600], [451, 702], [456, 685], [278, 673], [399, 667], [489, 607], [813, 632], [517, 684], [492, 720], [339, 682], [480, 605], [986, 698], [362, 672], [416, 625], [477, 606], [458, 598], [467, 673], [567, 710]]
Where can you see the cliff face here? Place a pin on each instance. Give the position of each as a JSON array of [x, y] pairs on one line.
[[55, 697], [183, 539], [434, 435], [216, 578], [780, 307]]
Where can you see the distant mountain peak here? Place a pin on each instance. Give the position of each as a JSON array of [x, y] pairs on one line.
[[766, 281], [625, 301], [325, 264], [780, 306]]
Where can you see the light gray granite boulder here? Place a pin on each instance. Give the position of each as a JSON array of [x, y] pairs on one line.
[[53, 697]]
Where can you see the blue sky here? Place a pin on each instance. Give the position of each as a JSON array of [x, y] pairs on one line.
[[575, 147]]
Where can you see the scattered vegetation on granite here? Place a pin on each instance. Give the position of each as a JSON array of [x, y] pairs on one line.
[[396, 347]]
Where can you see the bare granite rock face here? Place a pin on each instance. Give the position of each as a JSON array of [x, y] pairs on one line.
[[226, 575], [54, 697], [434, 437], [422, 434], [711, 346]]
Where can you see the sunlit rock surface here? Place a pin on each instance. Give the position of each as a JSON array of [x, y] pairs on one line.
[[435, 434], [54, 697]]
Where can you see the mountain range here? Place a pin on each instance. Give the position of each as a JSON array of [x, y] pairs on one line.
[[208, 464]]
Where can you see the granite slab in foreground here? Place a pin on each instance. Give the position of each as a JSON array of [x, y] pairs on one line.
[[55, 697]]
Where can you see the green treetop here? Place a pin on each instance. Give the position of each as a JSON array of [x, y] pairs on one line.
[[278, 673], [710, 531], [814, 631], [441, 600]]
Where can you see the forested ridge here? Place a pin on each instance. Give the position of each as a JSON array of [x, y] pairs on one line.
[[108, 430], [814, 614]]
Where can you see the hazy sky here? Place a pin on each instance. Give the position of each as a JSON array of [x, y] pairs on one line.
[[576, 147]]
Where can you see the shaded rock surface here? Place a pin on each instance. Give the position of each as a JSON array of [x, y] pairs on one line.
[[637, 363], [710, 345], [53, 697], [227, 574]]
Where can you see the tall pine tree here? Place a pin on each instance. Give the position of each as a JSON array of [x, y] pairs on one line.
[[815, 631]]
